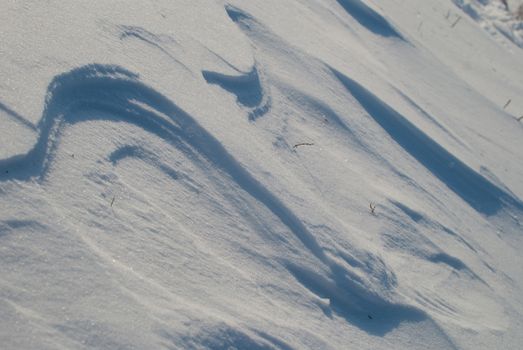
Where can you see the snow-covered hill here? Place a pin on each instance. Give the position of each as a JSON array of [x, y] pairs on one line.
[[309, 174]]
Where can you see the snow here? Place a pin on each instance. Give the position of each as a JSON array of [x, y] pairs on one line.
[[200, 175], [496, 18]]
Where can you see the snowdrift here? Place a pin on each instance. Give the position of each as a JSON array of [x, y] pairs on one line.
[[329, 174]]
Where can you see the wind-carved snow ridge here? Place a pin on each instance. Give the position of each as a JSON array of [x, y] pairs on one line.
[[131, 151], [494, 18], [246, 87], [151, 39], [417, 217], [430, 118], [111, 93], [477, 191], [143, 34], [369, 18]]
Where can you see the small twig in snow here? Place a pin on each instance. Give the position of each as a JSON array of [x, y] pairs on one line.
[[506, 104], [112, 202], [456, 22], [302, 144], [372, 208]]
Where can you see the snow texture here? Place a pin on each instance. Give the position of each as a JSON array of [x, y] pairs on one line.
[[334, 174]]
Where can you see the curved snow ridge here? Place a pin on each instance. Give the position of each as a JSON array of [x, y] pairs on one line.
[[101, 92], [264, 39], [337, 123], [358, 307], [133, 151], [433, 253], [111, 93], [150, 39], [317, 108], [369, 18], [359, 300], [477, 191], [250, 89], [238, 16], [422, 219], [246, 87], [145, 35], [431, 118]]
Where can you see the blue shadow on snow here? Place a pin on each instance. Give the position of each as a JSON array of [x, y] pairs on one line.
[[369, 18], [470, 186], [111, 93]]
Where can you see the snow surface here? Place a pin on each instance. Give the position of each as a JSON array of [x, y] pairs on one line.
[[496, 17], [308, 174]]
